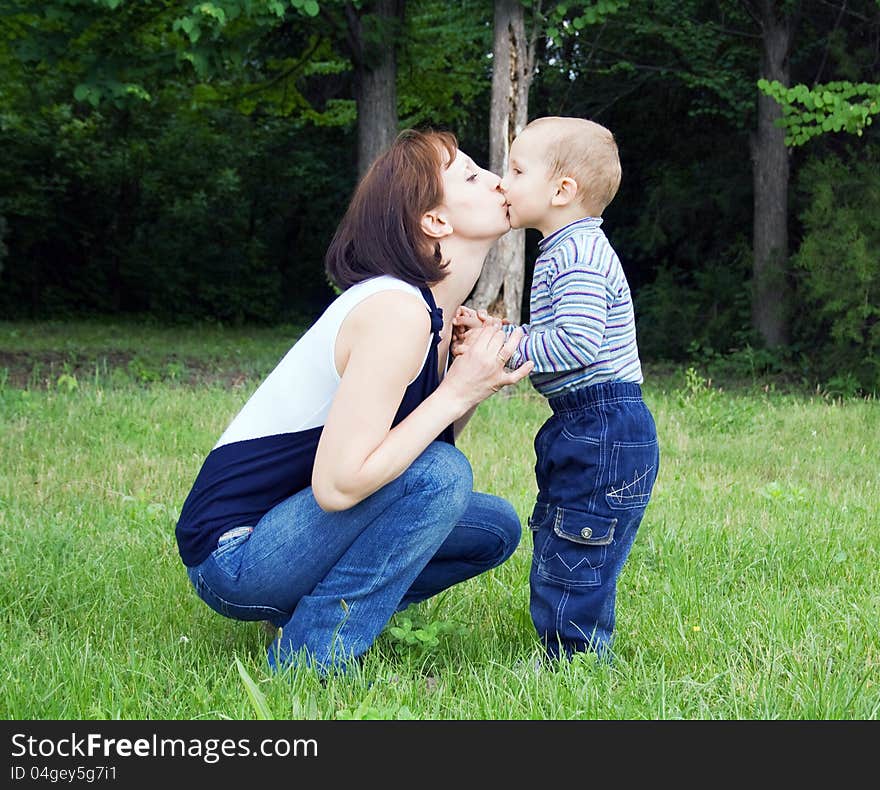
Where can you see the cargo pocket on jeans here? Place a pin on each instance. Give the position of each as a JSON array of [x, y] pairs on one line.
[[570, 545], [633, 472]]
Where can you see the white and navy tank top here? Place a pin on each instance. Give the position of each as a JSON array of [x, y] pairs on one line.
[[267, 452]]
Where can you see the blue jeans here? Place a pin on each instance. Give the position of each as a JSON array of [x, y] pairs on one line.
[[597, 460], [332, 581]]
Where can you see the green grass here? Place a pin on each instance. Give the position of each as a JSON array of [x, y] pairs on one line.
[[753, 589]]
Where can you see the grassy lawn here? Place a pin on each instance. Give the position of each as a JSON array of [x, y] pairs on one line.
[[753, 589]]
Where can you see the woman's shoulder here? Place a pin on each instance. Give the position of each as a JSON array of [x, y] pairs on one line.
[[390, 329], [383, 282], [397, 302], [382, 292]]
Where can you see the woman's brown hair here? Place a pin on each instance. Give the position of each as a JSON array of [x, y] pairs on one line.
[[381, 231]]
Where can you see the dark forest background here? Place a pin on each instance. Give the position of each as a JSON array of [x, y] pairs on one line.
[[188, 162]]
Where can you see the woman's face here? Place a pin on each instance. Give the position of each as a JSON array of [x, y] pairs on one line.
[[474, 206]]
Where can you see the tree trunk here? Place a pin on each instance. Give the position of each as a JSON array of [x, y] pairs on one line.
[[770, 161], [500, 286], [373, 32]]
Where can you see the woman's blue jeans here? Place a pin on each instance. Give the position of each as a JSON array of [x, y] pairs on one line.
[[332, 580]]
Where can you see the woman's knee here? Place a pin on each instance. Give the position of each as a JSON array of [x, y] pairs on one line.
[[511, 528], [503, 521], [445, 471]]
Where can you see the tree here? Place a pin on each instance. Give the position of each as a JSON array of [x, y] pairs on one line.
[[777, 22], [373, 30], [500, 286]]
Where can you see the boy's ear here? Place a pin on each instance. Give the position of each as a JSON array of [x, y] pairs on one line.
[[566, 191], [435, 225]]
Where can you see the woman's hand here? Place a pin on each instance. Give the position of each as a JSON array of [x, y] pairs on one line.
[[479, 369]]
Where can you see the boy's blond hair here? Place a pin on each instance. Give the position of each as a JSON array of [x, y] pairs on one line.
[[585, 151]]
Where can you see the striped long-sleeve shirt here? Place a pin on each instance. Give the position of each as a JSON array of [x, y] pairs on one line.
[[582, 327]]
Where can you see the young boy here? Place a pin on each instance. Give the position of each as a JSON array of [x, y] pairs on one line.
[[597, 454]]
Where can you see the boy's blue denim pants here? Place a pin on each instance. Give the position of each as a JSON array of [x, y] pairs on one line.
[[597, 460], [332, 580]]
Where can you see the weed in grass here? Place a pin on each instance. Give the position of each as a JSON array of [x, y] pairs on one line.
[[420, 637]]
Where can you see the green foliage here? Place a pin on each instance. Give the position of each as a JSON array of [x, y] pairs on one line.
[[66, 383], [842, 385], [705, 405], [832, 107], [138, 184], [256, 697], [3, 248], [370, 709], [443, 75], [569, 18], [839, 270], [186, 214], [749, 364], [410, 635], [677, 314], [791, 495], [94, 52], [684, 43]]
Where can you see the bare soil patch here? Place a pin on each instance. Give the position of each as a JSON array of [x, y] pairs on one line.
[[41, 369]]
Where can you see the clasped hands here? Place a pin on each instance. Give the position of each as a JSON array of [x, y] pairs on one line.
[[468, 320], [477, 335]]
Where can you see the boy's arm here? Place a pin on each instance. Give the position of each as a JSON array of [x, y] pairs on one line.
[[576, 297]]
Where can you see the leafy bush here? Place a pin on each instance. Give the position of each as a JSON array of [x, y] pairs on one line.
[[839, 269], [2, 245], [708, 310]]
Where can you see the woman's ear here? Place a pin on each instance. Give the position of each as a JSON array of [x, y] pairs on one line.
[[566, 192], [435, 225]]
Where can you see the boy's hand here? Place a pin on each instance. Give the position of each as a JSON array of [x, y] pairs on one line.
[[465, 320], [471, 319]]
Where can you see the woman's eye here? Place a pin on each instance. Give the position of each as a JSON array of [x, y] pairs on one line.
[[472, 178]]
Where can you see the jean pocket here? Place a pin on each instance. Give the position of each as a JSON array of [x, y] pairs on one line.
[[539, 515], [633, 473], [571, 546], [227, 556]]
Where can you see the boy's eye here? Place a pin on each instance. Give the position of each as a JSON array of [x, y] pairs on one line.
[[516, 171]]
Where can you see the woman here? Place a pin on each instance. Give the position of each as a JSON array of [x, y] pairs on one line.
[[336, 496]]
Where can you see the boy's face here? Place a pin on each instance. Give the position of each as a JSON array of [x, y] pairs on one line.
[[527, 185]]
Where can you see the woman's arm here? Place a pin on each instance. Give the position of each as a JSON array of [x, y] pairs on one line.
[[460, 423], [359, 452]]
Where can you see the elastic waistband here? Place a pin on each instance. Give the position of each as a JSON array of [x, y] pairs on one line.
[[595, 395]]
